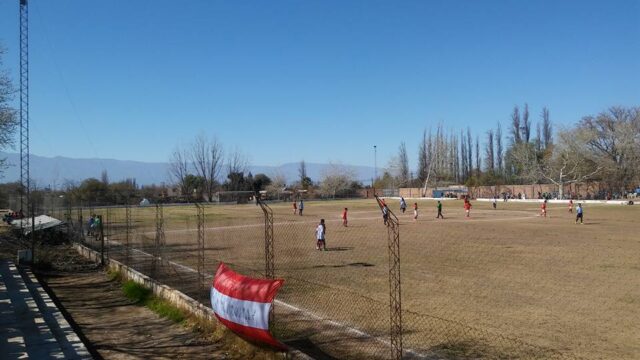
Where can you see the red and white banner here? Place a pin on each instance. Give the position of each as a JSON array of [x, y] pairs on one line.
[[243, 304]]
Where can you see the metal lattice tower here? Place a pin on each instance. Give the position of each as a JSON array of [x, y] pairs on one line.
[[395, 289], [269, 258], [24, 107]]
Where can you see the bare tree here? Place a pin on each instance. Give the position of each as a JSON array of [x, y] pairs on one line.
[[104, 177], [470, 151], [305, 181], [336, 178], [403, 162], [237, 162], [564, 163], [499, 149], [463, 156], [422, 158], [538, 138], [207, 158], [613, 137], [8, 118], [515, 126], [277, 185], [478, 164], [547, 136], [526, 125], [179, 169], [489, 159]]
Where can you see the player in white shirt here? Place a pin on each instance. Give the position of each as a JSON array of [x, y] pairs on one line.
[[321, 230]]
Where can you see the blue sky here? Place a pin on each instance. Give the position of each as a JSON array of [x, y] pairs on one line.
[[314, 80]]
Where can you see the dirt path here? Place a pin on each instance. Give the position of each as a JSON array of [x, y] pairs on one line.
[[118, 329]]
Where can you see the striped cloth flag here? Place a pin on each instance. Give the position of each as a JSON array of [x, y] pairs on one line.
[[243, 305]]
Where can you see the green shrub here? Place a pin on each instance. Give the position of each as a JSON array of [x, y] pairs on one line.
[[136, 292], [143, 296]]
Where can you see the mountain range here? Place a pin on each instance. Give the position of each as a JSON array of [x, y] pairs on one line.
[[55, 171]]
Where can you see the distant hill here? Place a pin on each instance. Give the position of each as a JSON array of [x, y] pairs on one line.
[[55, 171]]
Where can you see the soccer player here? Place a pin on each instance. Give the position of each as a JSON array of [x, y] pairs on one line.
[[570, 205], [467, 207], [543, 208], [344, 217], [495, 203], [403, 205], [295, 208], [300, 207], [415, 211], [321, 231], [385, 213], [439, 206], [579, 213]]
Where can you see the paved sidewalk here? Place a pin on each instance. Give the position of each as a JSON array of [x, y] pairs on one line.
[[31, 326]]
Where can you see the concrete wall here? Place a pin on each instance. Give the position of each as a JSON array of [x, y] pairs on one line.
[[530, 191], [575, 191]]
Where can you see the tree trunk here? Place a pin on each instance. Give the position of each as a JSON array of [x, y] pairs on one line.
[[561, 190]]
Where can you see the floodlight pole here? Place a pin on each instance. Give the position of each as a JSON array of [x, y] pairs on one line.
[[375, 164]]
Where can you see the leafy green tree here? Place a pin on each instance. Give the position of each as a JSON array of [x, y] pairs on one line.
[[236, 182], [93, 191], [260, 182], [194, 187]]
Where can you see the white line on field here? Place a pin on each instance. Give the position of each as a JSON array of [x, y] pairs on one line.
[[408, 221]]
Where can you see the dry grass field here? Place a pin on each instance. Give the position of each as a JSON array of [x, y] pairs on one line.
[[503, 283]]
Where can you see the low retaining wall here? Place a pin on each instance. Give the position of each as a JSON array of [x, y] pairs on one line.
[[177, 298], [554, 201]]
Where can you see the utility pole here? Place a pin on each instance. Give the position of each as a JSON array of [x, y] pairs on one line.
[[375, 163]]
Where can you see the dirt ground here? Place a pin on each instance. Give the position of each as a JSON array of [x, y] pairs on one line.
[[118, 329], [502, 283]]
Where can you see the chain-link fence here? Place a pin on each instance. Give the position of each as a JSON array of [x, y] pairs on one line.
[[499, 284]]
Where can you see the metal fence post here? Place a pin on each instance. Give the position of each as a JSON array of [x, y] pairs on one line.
[[101, 234], [127, 234], [33, 233], [108, 231], [201, 270], [269, 259], [159, 239], [395, 293]]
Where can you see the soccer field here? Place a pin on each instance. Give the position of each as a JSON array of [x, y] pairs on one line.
[[502, 283]]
